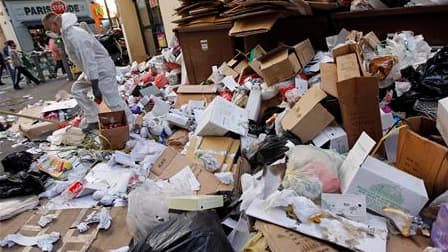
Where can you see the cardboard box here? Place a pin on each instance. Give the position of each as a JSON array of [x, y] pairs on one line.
[[278, 65], [185, 93], [347, 67], [308, 117], [421, 157], [442, 119], [195, 202], [371, 40], [223, 149], [329, 78], [304, 51], [358, 100], [171, 162], [348, 49], [334, 137], [281, 239], [383, 185], [32, 129], [114, 138], [236, 66], [220, 117], [38, 130]]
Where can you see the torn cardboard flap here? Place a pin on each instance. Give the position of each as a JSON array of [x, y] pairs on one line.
[[304, 51], [412, 142], [171, 162], [253, 25], [329, 78], [308, 117], [278, 65]]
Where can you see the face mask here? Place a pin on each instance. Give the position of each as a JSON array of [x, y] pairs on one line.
[[52, 34]]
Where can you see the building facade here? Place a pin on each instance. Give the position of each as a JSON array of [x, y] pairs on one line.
[[25, 18]]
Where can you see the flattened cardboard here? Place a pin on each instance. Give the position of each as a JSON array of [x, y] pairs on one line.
[[358, 99], [413, 158], [304, 51], [195, 202], [347, 67], [329, 78], [171, 162], [185, 93], [281, 239], [27, 224], [254, 25], [308, 117]]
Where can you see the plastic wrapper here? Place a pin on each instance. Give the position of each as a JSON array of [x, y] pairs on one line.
[[435, 73], [21, 184], [381, 66], [193, 232], [439, 232], [311, 171], [17, 161], [148, 205]]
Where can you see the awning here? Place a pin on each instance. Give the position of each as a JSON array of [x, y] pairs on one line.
[[38, 24]]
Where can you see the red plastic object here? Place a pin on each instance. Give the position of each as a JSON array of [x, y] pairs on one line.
[[226, 94], [161, 81]]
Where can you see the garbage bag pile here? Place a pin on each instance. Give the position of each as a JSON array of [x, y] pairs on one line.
[[281, 150]]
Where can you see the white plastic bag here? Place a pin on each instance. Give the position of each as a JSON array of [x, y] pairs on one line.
[[311, 171]]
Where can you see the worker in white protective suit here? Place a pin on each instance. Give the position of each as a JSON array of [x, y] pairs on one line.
[[85, 51]]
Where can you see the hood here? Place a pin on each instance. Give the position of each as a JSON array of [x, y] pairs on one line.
[[68, 20]]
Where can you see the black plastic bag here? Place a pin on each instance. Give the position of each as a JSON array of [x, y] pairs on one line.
[[270, 150], [17, 161], [435, 73], [190, 231], [21, 184]]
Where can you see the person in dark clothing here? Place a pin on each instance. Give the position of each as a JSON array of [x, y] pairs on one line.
[[2, 67], [18, 66], [6, 60]]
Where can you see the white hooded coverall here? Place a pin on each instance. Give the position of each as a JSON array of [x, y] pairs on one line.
[[85, 51]]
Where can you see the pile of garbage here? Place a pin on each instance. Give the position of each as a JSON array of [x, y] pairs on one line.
[[285, 150]]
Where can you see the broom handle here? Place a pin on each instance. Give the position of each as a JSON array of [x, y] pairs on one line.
[[28, 117]]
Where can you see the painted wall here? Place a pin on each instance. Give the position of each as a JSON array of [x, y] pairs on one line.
[[167, 8], [131, 30], [6, 26]]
